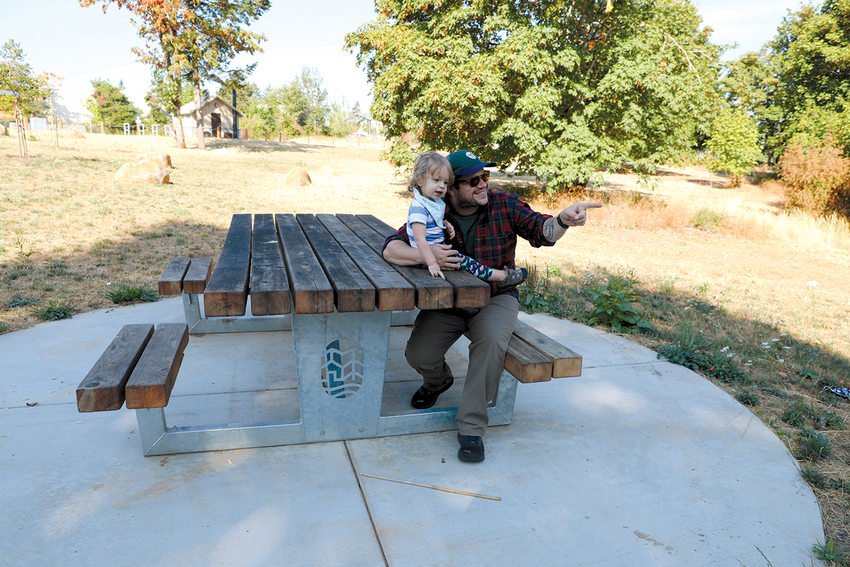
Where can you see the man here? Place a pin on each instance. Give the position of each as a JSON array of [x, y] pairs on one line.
[[487, 224]]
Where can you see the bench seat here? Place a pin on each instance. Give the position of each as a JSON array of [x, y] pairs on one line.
[[140, 366], [185, 275], [535, 357]]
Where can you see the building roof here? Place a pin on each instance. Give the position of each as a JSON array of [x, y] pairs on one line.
[[189, 108]]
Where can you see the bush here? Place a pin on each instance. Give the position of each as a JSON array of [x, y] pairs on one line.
[[817, 177], [617, 304], [733, 144], [706, 219]]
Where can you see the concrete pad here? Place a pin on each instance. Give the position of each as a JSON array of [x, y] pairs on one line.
[[637, 462], [77, 492], [646, 465]]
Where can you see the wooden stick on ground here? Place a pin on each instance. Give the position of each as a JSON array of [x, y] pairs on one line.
[[433, 487]]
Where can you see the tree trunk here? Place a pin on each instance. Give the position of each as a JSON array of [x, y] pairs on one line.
[[177, 123], [199, 116], [55, 122], [22, 135]]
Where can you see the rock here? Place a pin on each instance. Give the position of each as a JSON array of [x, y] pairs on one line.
[[143, 170], [298, 176], [162, 159]]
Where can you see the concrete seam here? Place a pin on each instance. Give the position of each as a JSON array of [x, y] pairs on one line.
[[366, 504]]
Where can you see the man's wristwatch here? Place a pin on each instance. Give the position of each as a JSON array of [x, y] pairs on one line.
[[561, 223]]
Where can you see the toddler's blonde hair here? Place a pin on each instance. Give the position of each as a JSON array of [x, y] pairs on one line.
[[425, 164]]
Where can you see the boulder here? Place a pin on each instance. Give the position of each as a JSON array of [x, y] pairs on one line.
[[143, 170], [298, 176], [162, 159]]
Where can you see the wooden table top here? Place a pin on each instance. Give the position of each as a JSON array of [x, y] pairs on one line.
[[317, 263]]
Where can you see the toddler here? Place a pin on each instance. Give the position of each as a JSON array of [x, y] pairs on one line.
[[431, 178]]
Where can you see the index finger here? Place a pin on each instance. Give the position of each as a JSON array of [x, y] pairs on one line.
[[584, 206]]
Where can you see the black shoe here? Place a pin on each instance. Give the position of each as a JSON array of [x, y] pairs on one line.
[[471, 448], [515, 277], [424, 398]]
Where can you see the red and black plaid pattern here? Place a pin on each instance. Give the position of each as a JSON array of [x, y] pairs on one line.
[[500, 223]]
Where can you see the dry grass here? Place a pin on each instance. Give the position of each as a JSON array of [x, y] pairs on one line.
[[69, 232]]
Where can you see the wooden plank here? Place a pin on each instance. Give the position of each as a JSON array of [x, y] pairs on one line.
[[431, 292], [197, 276], [565, 362], [269, 284], [394, 293], [171, 280], [103, 387], [527, 364], [469, 291], [227, 291], [353, 290], [307, 280], [152, 380]]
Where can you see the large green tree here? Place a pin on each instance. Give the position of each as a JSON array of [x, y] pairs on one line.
[[194, 40], [109, 105], [22, 93], [302, 104], [557, 88], [798, 86]]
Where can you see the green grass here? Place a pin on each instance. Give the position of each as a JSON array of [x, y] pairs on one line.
[[125, 293], [54, 311]]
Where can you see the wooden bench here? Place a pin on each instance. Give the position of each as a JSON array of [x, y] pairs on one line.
[[140, 366], [185, 275], [535, 357]]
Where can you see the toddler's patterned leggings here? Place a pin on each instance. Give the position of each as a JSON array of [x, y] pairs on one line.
[[475, 267]]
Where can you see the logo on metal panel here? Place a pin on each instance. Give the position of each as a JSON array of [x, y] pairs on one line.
[[342, 372]]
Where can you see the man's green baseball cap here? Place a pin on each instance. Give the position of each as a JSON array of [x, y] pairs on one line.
[[465, 163]]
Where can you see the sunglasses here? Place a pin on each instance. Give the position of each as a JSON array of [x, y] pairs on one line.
[[473, 181]]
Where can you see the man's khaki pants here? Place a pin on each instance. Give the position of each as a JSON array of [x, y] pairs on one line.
[[435, 331]]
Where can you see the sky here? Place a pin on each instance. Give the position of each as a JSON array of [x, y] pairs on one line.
[[81, 44]]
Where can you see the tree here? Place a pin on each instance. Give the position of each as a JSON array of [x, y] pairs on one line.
[[557, 88], [109, 105], [799, 84], [340, 121], [213, 37], [21, 92], [191, 39], [307, 101], [261, 117], [733, 143]]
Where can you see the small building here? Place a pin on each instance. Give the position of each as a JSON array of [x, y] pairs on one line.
[[218, 118]]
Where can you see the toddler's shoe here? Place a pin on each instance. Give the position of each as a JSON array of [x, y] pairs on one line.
[[515, 277]]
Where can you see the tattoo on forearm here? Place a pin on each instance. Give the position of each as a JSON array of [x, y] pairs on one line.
[[549, 229]]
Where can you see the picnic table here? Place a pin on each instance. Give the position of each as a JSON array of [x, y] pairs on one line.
[[323, 278]]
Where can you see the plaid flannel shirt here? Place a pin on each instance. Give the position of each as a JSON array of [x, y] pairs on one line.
[[499, 223]]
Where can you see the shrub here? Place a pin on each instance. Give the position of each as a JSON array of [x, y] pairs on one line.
[[817, 177], [615, 305], [706, 219], [733, 143]]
